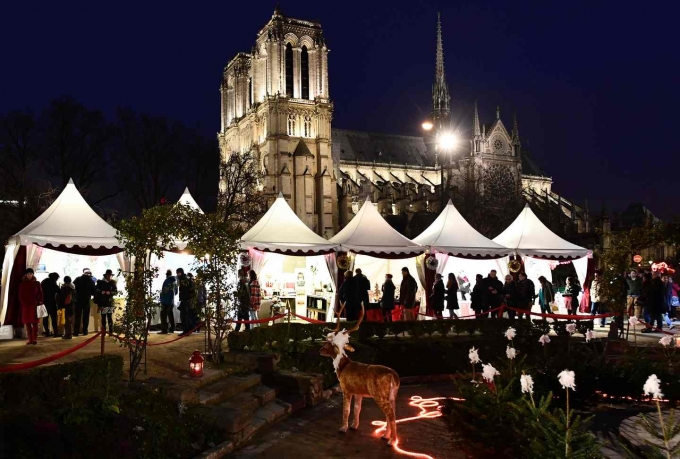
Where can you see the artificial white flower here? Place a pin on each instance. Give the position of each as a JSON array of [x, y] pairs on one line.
[[527, 383], [589, 335], [666, 341], [66, 378], [181, 408], [510, 352], [474, 356], [571, 328], [510, 333], [545, 339], [652, 388], [633, 321], [489, 372], [139, 429], [567, 379]]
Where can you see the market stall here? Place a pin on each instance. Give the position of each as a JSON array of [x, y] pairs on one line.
[[292, 263], [541, 249], [65, 238], [370, 243], [454, 246]]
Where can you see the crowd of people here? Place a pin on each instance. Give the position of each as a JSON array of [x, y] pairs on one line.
[[653, 298], [68, 304]]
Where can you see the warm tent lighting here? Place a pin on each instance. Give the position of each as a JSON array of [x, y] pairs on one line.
[[196, 365], [427, 125]]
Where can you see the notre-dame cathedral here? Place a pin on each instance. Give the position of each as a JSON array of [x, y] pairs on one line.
[[276, 103]]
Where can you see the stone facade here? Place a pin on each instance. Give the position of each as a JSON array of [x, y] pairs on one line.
[[275, 103]]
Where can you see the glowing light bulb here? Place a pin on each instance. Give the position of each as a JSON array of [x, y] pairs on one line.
[[447, 141], [427, 125]]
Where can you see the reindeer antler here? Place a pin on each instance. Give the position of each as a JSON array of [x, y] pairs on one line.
[[361, 318], [338, 314]]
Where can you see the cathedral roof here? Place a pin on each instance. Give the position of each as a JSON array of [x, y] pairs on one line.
[[529, 166], [381, 148]]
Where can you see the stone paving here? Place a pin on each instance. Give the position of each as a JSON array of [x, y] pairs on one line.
[[314, 433]]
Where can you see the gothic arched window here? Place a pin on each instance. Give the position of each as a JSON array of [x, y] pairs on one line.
[[308, 126], [289, 70], [304, 61], [250, 92], [291, 124]]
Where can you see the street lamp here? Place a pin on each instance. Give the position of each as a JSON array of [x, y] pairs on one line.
[[445, 141]]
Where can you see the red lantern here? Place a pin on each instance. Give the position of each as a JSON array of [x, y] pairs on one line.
[[196, 365]]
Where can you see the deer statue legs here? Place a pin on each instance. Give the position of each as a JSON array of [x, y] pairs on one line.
[[357, 411], [346, 405]]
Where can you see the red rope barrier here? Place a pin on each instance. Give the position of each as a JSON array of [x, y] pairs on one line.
[[657, 329], [51, 358], [311, 321], [564, 316], [258, 321]]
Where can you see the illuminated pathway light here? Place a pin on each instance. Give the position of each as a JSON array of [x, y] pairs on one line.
[[429, 409]]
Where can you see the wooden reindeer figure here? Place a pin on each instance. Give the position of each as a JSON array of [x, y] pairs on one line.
[[360, 380]]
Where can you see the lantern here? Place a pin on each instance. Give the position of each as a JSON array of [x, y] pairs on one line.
[[196, 365]]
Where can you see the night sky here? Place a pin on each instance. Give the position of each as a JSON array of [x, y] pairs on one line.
[[594, 83]]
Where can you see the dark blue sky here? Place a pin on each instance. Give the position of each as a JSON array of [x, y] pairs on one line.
[[594, 83]]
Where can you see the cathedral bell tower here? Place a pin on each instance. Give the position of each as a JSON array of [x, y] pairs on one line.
[[275, 104]]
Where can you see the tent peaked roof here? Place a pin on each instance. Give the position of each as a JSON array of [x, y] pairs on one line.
[[188, 200], [368, 233], [69, 222], [280, 230], [528, 236], [451, 233]]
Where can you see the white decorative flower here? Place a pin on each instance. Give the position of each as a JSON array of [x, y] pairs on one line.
[[652, 387], [139, 429], [567, 379], [571, 328], [666, 341], [510, 333], [181, 408], [245, 348], [633, 321], [510, 352], [474, 356], [545, 339], [527, 383], [589, 335], [489, 372], [66, 378]]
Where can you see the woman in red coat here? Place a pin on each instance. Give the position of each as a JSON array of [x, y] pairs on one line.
[[30, 296]]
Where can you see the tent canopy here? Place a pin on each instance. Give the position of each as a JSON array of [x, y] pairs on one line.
[[369, 234], [450, 233], [528, 236], [281, 231], [188, 200], [69, 223]]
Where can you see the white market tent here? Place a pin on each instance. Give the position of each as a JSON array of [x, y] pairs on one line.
[[188, 200], [68, 225], [369, 234], [528, 236], [539, 248], [450, 233], [281, 231]]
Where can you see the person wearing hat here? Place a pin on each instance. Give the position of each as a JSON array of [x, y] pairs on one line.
[[30, 297], [85, 289], [105, 290]]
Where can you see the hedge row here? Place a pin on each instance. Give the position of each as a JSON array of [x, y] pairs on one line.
[[47, 385], [287, 335]]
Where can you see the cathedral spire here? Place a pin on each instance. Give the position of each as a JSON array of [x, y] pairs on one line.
[[515, 130], [498, 112], [476, 132], [441, 100]]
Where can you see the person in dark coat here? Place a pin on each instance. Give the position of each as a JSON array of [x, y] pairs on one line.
[[105, 290], [437, 296], [510, 295], [570, 296], [186, 295], [50, 289], [364, 286], [387, 302], [30, 296], [350, 295], [243, 301], [656, 304], [493, 292], [168, 292], [477, 296], [546, 295], [66, 299], [407, 293], [526, 293], [451, 295], [85, 287]]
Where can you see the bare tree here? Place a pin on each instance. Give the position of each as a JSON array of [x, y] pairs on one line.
[[240, 200]]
